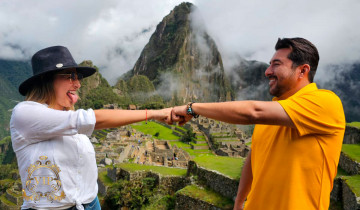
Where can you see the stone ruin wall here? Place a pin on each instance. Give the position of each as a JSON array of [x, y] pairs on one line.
[[170, 184], [350, 166], [186, 202], [352, 135], [220, 183]]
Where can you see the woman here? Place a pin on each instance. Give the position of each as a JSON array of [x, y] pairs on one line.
[[56, 160]]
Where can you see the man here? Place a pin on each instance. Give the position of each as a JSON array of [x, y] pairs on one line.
[[297, 141]]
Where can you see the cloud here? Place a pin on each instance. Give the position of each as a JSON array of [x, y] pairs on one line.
[[112, 33], [251, 28]]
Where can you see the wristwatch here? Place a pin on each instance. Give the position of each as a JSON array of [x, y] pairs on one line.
[[190, 111]]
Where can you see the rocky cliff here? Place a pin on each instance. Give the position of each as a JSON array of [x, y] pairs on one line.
[[183, 61]]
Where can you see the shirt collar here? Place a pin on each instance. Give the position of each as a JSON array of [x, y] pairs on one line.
[[308, 88]]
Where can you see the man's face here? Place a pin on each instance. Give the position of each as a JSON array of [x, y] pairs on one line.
[[281, 74]]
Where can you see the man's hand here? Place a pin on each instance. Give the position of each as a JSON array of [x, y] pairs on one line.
[[162, 115], [179, 114]]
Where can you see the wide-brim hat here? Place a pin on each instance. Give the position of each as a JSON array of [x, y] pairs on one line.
[[50, 60]]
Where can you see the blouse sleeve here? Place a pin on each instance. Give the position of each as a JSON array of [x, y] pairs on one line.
[[36, 122]]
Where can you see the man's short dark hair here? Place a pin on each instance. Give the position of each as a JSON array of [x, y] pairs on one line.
[[302, 52]]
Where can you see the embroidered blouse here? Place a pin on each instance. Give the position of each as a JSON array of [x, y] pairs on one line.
[[56, 159]]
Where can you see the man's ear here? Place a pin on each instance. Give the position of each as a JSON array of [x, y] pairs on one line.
[[304, 70]]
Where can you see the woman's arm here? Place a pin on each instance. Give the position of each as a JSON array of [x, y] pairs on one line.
[[109, 118]]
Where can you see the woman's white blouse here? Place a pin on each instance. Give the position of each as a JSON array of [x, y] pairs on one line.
[[56, 159]]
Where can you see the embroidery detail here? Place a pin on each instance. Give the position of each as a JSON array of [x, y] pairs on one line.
[[43, 181]]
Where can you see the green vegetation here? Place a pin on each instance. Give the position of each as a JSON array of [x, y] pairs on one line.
[[354, 183], [226, 165], [180, 144], [207, 195], [8, 154], [12, 73], [341, 172], [166, 171], [6, 201], [161, 202], [189, 136], [6, 184], [152, 128], [101, 134], [96, 92], [354, 124], [105, 179], [202, 144], [141, 91], [134, 194], [352, 150]]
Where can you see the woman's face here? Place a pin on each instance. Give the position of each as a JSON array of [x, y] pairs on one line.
[[66, 83]]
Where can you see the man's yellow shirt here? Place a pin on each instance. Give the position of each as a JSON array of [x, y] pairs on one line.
[[294, 168]]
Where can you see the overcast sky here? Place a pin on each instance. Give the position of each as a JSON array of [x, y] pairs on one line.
[[112, 33]]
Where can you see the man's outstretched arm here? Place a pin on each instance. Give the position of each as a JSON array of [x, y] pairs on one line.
[[238, 112], [245, 184]]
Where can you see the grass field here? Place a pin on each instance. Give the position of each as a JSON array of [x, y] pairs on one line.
[[152, 128], [354, 124], [352, 150], [354, 183], [208, 196], [158, 169], [226, 165]]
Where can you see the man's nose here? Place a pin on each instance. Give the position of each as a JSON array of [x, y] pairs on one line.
[[268, 72]]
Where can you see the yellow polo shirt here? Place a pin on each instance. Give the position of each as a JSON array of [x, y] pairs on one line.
[[294, 168]]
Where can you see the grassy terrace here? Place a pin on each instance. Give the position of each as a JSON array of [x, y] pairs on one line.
[[166, 171], [202, 144], [248, 143], [199, 152], [354, 183], [352, 150], [187, 148], [207, 195], [6, 201], [226, 165], [105, 179], [152, 128], [354, 124]]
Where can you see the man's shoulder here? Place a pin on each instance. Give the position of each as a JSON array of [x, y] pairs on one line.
[[321, 94]]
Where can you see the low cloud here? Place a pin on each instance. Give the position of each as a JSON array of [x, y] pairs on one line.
[[113, 33]]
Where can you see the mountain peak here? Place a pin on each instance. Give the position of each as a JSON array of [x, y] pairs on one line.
[[183, 61]]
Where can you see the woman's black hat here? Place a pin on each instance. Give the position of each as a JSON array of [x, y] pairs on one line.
[[51, 60]]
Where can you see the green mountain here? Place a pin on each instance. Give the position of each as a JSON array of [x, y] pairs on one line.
[[95, 91], [12, 73], [183, 61]]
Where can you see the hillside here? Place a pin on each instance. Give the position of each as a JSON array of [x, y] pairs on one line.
[[12, 73]]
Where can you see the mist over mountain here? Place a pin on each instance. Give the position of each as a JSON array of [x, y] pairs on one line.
[[346, 84], [183, 61]]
